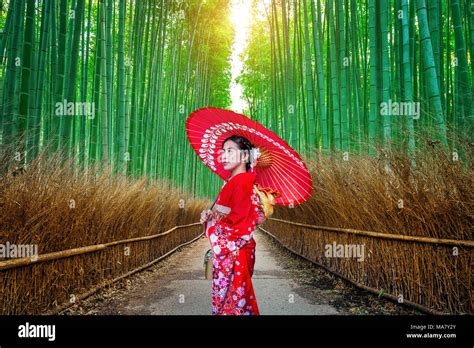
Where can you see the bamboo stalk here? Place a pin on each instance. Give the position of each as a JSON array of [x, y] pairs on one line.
[[25, 261], [428, 240]]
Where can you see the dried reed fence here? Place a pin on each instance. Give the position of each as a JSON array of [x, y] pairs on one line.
[[421, 271], [57, 280], [90, 225]]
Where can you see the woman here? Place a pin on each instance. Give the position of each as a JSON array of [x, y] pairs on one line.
[[229, 227]]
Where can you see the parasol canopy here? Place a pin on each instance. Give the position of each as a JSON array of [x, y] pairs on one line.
[[278, 167]]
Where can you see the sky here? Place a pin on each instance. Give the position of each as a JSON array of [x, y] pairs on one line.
[[241, 14]]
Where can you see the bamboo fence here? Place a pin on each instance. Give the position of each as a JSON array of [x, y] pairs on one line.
[[420, 272], [52, 282], [433, 275]]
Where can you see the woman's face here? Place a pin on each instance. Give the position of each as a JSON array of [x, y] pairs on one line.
[[232, 156]]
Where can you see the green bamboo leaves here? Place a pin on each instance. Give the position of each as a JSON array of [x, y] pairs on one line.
[[367, 73], [112, 82]]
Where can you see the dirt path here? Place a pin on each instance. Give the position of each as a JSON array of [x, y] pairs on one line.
[[284, 284]]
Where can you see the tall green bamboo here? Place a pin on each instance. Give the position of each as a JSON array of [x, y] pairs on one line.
[[309, 81], [465, 100], [431, 81], [317, 37], [314, 72], [104, 85], [407, 81], [27, 70], [121, 88], [385, 66]]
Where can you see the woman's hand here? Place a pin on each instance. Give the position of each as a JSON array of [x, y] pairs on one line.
[[261, 217], [205, 214]]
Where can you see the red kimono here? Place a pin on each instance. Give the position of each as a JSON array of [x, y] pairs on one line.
[[230, 232]]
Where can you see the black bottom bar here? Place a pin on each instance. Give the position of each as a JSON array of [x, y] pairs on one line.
[[81, 331]]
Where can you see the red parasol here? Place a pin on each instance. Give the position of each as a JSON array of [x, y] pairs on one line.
[[278, 168]]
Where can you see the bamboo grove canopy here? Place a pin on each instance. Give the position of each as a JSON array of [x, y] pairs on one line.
[[112, 82]]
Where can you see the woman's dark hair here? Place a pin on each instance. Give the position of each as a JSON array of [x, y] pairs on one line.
[[244, 145]]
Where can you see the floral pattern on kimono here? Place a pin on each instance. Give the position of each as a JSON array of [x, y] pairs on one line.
[[230, 232]]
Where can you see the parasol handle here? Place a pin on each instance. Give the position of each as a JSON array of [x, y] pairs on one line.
[[212, 206]]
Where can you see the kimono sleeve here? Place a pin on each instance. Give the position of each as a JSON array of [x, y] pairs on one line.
[[232, 231]]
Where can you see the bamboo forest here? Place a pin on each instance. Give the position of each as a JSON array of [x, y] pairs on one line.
[[373, 98], [331, 75]]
